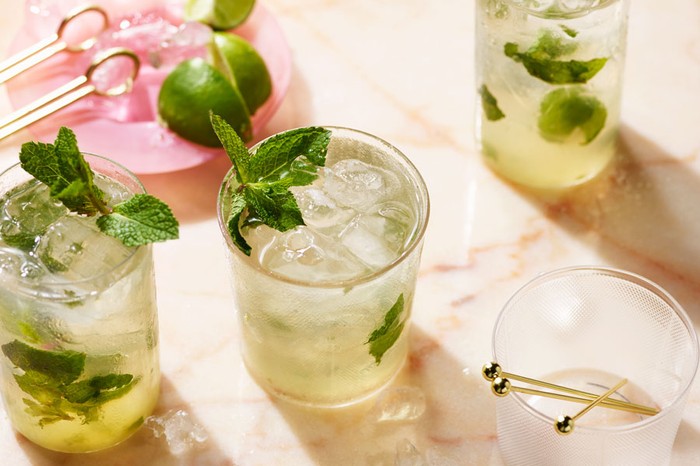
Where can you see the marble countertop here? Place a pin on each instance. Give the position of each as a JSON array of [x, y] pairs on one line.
[[403, 70]]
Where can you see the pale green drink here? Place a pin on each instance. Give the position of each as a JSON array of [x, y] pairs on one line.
[[549, 79], [78, 322], [324, 308]]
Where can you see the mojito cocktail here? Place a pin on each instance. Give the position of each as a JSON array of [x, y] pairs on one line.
[[78, 322], [324, 307], [549, 78]]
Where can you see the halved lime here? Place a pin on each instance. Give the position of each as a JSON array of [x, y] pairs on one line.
[[236, 58], [188, 93]]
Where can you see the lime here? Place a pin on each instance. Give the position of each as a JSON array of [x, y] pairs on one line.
[[188, 93], [219, 14], [235, 57]]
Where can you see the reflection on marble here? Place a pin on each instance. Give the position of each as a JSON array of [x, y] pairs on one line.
[[402, 69]]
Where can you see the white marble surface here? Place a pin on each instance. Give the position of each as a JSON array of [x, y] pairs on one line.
[[403, 70]]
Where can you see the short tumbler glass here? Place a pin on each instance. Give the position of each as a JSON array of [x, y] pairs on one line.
[[78, 321], [308, 340], [588, 328]]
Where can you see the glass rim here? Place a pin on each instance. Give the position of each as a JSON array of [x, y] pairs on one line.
[[630, 277], [575, 13], [27, 287], [412, 172]]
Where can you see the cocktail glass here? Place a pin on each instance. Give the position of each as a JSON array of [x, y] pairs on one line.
[[549, 79], [324, 308], [588, 328], [78, 320]]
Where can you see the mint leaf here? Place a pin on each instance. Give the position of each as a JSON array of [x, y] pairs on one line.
[[568, 31], [564, 110], [95, 388], [273, 159], [61, 366], [142, 219], [61, 166], [233, 145], [384, 337], [274, 205], [540, 61], [263, 196], [238, 205], [490, 105], [51, 379]]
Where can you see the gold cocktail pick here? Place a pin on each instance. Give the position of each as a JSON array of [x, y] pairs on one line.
[[564, 425], [22, 61], [501, 386]]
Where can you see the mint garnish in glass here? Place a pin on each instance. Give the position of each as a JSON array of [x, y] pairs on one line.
[[142, 219], [282, 161]]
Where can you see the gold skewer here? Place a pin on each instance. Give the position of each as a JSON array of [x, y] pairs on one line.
[[50, 46], [564, 425], [69, 93], [502, 386], [493, 370]]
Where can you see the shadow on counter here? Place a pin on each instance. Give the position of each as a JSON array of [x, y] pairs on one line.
[[143, 448], [433, 409], [641, 215]]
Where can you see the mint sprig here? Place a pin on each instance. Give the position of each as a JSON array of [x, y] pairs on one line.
[[61, 166], [542, 60], [50, 378], [284, 160], [384, 336]]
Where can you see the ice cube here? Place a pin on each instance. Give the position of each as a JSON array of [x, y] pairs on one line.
[[408, 455], [321, 213], [15, 263], [399, 404], [26, 213], [577, 5], [399, 223], [364, 238], [190, 40], [354, 183], [75, 249], [304, 254], [178, 428]]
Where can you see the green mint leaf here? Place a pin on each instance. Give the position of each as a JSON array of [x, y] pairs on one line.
[[540, 61], [274, 205], [263, 196], [384, 337], [233, 145], [142, 219], [24, 241], [90, 390], [61, 366], [490, 105], [274, 158], [238, 205], [568, 31], [564, 110], [61, 166]]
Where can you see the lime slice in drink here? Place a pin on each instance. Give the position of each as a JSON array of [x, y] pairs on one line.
[[188, 93], [219, 14], [238, 60]]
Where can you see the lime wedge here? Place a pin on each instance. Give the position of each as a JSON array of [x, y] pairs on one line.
[[238, 60], [219, 14]]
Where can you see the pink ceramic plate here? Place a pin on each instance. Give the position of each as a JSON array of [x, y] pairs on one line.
[[135, 139]]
